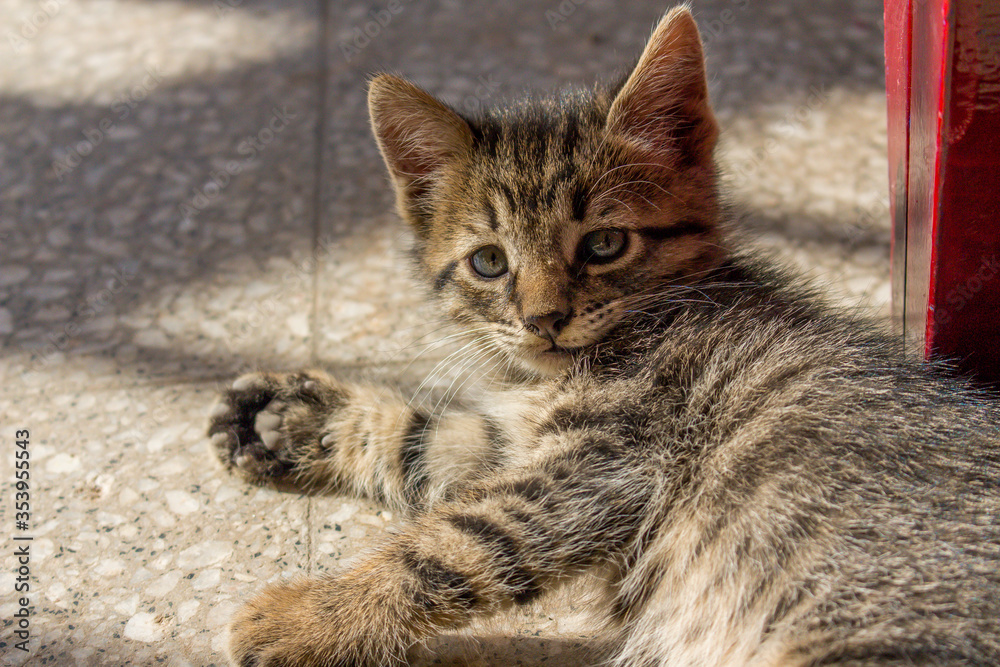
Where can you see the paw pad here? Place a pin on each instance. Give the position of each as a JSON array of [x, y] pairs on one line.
[[245, 428]]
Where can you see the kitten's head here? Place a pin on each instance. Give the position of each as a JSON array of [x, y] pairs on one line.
[[542, 224]]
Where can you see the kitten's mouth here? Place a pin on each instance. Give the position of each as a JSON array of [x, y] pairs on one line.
[[546, 362], [553, 353]]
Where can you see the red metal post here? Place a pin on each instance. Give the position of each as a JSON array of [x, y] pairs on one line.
[[946, 212]]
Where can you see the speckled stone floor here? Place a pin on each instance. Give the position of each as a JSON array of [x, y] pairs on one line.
[[188, 189]]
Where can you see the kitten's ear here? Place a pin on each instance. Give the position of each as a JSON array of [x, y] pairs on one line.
[[664, 102], [417, 135]]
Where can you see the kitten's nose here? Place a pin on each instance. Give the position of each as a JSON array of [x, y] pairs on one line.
[[547, 326]]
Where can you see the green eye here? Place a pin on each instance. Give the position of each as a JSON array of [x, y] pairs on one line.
[[603, 245], [489, 262]]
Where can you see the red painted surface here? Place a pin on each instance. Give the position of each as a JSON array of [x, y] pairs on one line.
[[949, 298], [963, 318]]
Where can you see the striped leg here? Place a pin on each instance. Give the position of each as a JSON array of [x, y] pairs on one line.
[[309, 430], [505, 540]]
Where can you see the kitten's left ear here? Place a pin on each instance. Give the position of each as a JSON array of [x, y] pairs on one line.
[[418, 136], [664, 102]]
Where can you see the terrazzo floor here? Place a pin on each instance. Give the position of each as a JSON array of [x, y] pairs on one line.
[[189, 190]]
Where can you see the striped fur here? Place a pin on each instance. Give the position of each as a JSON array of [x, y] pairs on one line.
[[760, 480]]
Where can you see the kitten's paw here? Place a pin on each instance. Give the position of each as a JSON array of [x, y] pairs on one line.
[[266, 632], [315, 623], [268, 425]]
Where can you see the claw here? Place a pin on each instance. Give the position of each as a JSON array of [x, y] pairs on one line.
[[244, 383], [218, 410]]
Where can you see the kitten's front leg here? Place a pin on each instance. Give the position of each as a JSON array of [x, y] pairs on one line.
[[502, 542], [312, 431], [323, 623]]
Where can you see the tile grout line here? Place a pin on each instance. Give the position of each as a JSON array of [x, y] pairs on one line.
[[320, 139], [324, 73]]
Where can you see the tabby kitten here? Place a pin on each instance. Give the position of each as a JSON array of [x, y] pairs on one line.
[[759, 480]]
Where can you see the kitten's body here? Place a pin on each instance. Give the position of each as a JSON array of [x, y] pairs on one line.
[[761, 481]]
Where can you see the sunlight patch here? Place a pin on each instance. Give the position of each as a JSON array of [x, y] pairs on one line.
[[59, 51]]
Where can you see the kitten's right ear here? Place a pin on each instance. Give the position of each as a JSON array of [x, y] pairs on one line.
[[418, 136]]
